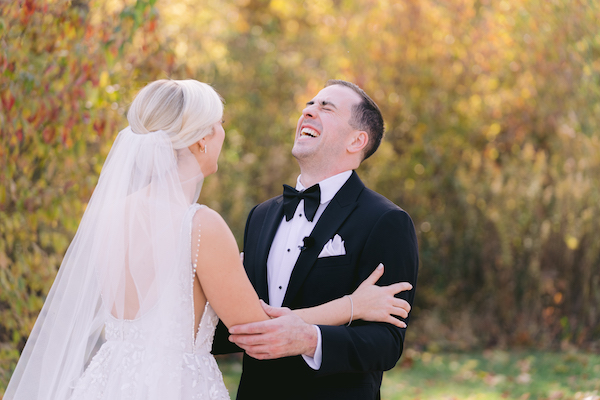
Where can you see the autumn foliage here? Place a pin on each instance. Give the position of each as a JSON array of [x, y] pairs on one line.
[[492, 142]]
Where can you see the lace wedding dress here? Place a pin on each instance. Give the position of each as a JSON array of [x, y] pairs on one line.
[[127, 366]]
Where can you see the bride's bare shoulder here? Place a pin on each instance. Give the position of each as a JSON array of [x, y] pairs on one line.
[[213, 244], [207, 221]]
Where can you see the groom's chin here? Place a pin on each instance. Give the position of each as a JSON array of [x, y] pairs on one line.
[[300, 151]]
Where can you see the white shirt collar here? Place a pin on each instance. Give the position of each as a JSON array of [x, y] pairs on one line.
[[330, 186]]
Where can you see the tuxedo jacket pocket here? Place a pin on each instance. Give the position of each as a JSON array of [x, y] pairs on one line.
[[333, 261]]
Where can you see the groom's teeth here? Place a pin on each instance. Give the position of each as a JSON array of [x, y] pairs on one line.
[[309, 132]]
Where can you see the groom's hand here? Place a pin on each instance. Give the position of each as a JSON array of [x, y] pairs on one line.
[[283, 336]]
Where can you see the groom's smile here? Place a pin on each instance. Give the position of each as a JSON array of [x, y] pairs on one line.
[[307, 131]]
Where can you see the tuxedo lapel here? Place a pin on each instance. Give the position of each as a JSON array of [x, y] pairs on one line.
[[267, 233], [340, 207]]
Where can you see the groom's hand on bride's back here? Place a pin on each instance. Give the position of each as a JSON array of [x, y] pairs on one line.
[[286, 334]]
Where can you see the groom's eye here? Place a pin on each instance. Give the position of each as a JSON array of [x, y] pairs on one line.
[[327, 105]]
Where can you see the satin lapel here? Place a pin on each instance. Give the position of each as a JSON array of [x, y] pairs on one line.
[[267, 233], [340, 207]]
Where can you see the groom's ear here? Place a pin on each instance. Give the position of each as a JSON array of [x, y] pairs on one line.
[[359, 141]]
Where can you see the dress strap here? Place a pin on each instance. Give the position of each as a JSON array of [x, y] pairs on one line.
[[195, 247]]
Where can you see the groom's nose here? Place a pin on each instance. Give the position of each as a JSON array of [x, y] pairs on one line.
[[308, 112]]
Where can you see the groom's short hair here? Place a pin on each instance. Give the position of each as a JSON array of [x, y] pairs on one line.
[[365, 116]]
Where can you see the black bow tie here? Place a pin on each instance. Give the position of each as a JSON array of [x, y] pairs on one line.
[[291, 198]]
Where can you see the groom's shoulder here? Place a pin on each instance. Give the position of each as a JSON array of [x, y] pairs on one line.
[[375, 209], [368, 198], [378, 203]]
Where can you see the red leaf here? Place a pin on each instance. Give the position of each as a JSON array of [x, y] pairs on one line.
[[8, 101], [28, 10], [152, 25], [48, 134], [99, 126]]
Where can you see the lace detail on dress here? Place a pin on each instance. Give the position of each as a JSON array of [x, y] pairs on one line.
[[205, 335], [122, 330], [153, 358], [202, 366]]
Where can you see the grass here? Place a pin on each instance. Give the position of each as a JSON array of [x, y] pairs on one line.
[[488, 375]]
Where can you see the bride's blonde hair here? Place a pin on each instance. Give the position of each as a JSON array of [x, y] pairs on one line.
[[185, 109]]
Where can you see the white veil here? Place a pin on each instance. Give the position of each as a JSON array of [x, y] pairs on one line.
[[125, 263]]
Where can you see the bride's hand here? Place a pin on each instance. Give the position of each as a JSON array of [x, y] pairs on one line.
[[377, 303]]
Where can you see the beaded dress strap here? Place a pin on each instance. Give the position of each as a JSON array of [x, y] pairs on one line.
[[195, 246]]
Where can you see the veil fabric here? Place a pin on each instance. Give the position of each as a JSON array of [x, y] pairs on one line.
[[129, 265]]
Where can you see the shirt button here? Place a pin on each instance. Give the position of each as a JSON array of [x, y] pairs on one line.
[[280, 287], [288, 250], [300, 214]]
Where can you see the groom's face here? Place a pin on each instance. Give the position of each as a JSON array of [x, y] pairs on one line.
[[323, 131]]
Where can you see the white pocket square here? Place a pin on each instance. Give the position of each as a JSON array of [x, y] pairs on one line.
[[335, 247]]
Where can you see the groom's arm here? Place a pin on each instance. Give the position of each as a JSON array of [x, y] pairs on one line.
[[369, 346]]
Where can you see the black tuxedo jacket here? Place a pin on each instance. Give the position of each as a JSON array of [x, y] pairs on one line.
[[374, 231]]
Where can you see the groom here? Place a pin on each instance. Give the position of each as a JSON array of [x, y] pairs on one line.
[[319, 243]]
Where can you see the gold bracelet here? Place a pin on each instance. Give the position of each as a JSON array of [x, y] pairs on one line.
[[351, 309]]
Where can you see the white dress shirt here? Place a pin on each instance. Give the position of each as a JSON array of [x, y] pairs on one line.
[[285, 248]]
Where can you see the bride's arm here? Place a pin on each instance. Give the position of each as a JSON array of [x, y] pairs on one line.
[[220, 271], [369, 302], [230, 293]]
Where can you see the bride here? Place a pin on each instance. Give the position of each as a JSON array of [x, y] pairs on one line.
[[133, 309]]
